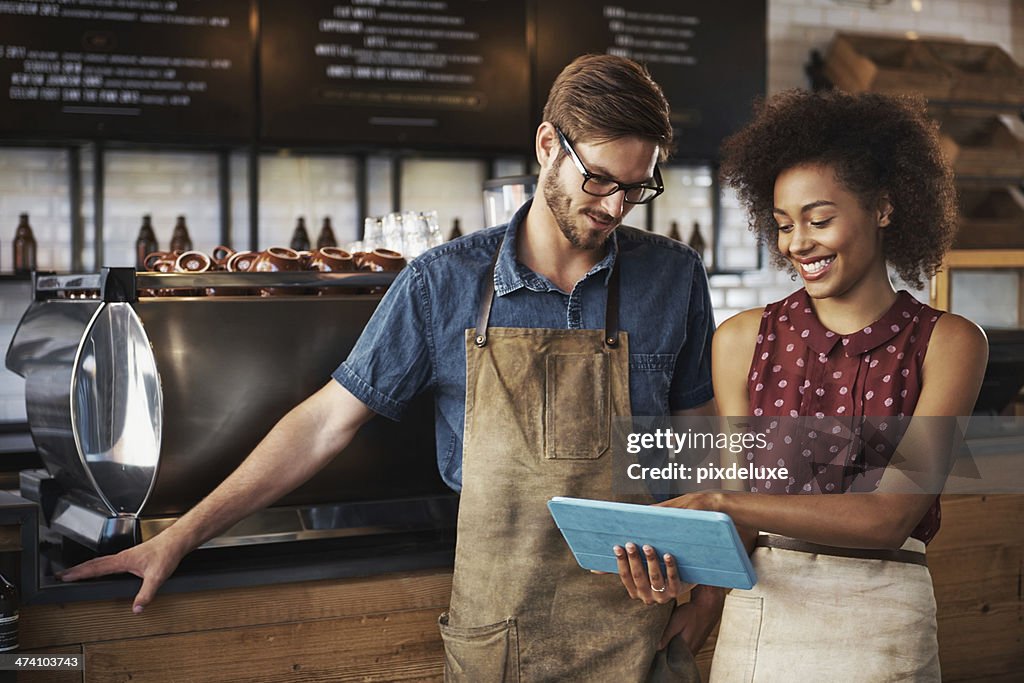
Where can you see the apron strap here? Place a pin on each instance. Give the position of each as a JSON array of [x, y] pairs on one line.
[[611, 312], [486, 299]]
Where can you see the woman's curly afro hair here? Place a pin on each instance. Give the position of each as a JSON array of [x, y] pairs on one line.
[[875, 144]]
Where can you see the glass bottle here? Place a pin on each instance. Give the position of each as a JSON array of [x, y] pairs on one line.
[[180, 240], [24, 246], [456, 230], [673, 231], [697, 240], [146, 242], [300, 238], [326, 236], [8, 615]]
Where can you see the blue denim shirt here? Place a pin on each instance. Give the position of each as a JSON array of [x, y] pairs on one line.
[[415, 340]]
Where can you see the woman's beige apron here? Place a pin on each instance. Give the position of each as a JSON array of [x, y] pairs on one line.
[[539, 404], [816, 617]]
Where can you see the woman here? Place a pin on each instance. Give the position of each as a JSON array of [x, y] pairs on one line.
[[841, 187]]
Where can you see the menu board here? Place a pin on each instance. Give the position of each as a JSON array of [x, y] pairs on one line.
[[426, 73], [708, 57], [126, 69]]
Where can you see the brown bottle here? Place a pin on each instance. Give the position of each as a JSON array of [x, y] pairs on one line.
[[673, 231], [146, 243], [300, 238], [24, 246], [456, 230], [180, 241], [326, 236], [697, 240]]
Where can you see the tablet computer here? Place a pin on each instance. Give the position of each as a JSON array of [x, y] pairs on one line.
[[706, 546]]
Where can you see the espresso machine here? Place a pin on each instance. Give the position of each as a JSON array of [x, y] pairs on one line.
[[145, 390]]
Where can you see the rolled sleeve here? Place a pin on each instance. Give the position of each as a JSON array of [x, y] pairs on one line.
[[392, 360], [691, 384]]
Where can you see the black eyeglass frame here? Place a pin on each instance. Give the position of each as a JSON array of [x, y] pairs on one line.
[[658, 187]]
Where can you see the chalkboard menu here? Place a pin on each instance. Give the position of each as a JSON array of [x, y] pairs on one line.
[[425, 73], [708, 57], [127, 69]]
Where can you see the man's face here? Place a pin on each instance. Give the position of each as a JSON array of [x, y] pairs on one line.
[[584, 220]]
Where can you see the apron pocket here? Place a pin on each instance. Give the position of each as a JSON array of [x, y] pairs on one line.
[[738, 636], [577, 423], [481, 653]]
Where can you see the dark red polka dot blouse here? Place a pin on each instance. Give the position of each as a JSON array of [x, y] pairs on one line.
[[847, 382]]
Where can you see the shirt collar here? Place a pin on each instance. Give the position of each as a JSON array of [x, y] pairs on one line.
[[799, 314], [511, 275]]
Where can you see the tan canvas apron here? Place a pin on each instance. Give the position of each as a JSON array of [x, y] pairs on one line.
[[817, 617], [539, 404]]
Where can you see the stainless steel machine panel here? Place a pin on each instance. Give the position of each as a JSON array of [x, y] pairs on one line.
[[141, 406], [43, 351], [231, 367], [116, 411]]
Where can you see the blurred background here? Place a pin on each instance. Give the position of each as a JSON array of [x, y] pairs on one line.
[[244, 166]]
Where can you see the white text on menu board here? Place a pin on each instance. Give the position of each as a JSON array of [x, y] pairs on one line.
[[398, 41], [105, 81], [651, 37]]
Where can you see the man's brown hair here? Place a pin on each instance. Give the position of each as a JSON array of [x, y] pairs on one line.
[[598, 98]]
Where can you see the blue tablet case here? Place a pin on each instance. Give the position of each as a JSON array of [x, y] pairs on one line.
[[706, 546]]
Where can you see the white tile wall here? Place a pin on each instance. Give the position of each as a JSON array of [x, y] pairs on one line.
[[687, 200], [452, 188], [312, 187], [35, 181], [166, 184], [14, 298]]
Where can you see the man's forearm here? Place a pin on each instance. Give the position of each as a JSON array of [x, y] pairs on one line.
[[298, 446]]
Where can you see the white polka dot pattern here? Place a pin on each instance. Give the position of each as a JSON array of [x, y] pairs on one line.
[[874, 372]]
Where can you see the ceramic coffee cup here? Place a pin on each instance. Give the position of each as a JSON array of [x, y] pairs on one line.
[[381, 261], [277, 260], [332, 260], [193, 262], [151, 258], [240, 261], [220, 254]]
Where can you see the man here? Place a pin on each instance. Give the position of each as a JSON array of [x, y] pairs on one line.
[[527, 377]]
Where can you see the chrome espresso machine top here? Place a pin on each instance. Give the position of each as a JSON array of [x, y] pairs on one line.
[[144, 390]]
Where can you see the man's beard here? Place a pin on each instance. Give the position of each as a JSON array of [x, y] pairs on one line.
[[559, 203]]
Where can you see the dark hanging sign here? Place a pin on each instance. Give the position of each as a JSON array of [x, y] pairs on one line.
[[445, 74], [149, 70], [708, 57]]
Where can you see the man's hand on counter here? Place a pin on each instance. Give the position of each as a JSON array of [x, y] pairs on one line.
[[298, 446], [153, 561]]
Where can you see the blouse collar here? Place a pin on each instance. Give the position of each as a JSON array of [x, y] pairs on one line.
[[799, 314]]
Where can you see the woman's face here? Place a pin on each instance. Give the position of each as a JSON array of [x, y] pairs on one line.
[[829, 236]]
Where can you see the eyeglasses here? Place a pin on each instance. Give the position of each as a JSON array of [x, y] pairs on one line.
[[600, 186]]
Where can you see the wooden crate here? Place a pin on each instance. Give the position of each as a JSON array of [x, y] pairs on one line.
[[981, 73], [980, 144], [865, 63], [991, 217]]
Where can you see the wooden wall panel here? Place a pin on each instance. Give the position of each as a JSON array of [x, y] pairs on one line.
[[977, 565], [84, 622], [401, 646]]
